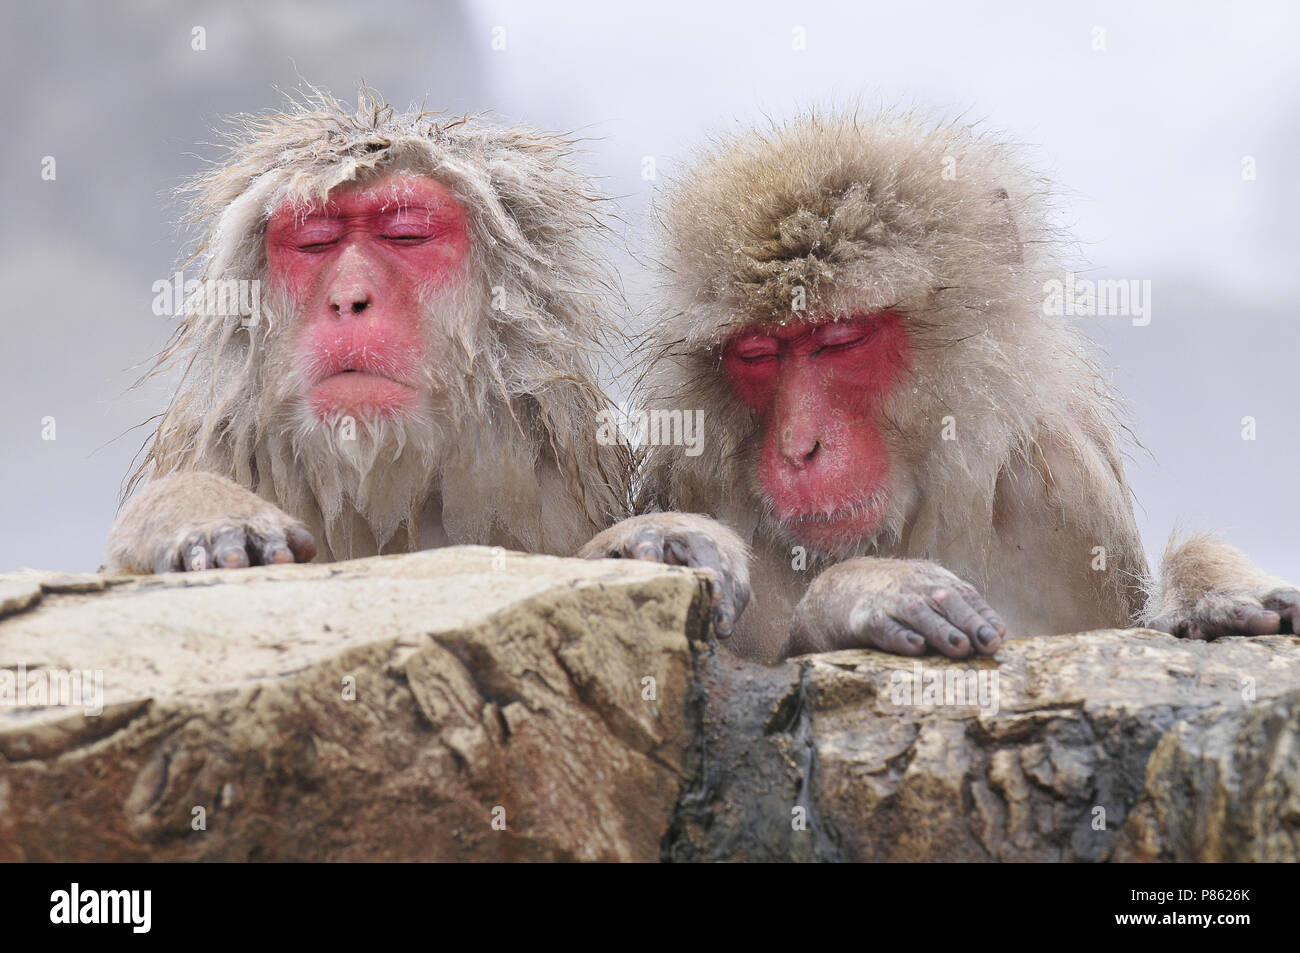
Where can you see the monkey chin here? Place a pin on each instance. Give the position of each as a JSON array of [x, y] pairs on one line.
[[359, 394]]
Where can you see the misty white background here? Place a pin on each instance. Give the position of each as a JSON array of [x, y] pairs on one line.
[[1146, 138]]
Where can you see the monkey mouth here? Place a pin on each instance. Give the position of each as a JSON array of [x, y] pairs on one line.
[[839, 525], [362, 393]]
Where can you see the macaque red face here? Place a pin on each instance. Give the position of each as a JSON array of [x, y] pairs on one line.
[[817, 388], [358, 269]]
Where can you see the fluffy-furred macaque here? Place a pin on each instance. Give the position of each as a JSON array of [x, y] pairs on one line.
[[920, 457], [421, 369]]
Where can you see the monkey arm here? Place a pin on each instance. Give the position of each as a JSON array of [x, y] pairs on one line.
[[195, 520], [898, 605], [684, 539], [1208, 589]]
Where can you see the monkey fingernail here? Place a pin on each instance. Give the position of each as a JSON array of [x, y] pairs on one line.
[[986, 635], [281, 556]]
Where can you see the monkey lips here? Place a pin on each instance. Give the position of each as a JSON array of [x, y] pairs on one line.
[[358, 394], [360, 372]]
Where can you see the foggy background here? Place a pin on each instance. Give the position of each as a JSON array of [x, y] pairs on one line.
[[1147, 137]]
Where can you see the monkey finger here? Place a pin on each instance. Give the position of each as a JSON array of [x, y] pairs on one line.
[[734, 598], [730, 597], [1170, 624], [194, 555], [229, 549], [269, 549], [961, 614], [882, 631], [677, 551], [1220, 617], [167, 559], [972, 595], [301, 543], [647, 544], [735, 602], [1242, 618], [1261, 622], [1285, 602], [941, 635]]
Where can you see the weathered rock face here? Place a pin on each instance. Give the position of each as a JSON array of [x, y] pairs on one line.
[[1122, 745], [388, 708], [1222, 786], [395, 708]]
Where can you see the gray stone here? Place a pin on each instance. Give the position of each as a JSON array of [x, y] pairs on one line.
[[395, 708], [384, 709]]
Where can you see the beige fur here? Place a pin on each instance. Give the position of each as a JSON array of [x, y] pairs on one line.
[[1207, 587], [857, 211]]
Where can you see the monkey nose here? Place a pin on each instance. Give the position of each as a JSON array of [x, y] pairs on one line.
[[799, 453], [352, 300]]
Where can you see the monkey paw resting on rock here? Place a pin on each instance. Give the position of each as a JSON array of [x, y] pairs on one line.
[[920, 457], [418, 367]]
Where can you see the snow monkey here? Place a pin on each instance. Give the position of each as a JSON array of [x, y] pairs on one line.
[[920, 457], [418, 365]]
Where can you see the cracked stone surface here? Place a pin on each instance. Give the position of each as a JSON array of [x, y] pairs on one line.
[[393, 708], [384, 709], [1113, 745]]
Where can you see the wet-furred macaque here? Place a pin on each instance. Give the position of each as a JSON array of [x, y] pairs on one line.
[[418, 366], [919, 457]]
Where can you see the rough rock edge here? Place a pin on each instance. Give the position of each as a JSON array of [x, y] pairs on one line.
[[153, 794]]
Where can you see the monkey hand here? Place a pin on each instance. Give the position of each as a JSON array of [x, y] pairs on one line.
[[1266, 611], [1209, 590], [188, 521], [897, 605], [684, 539]]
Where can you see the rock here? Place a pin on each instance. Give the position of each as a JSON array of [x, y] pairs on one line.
[[1106, 745], [21, 590], [392, 708], [18, 594], [1224, 785], [382, 709]]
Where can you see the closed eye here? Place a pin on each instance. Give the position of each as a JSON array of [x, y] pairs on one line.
[[409, 238], [835, 347], [754, 349]]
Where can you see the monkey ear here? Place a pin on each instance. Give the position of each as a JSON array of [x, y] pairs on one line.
[[1005, 229]]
